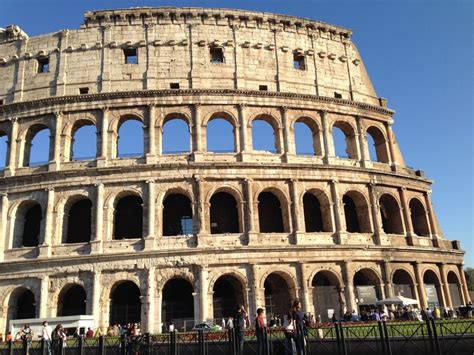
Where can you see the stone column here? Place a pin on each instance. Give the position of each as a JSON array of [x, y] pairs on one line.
[[3, 225], [464, 289], [249, 211], [445, 285], [391, 148], [406, 212], [96, 291], [431, 219], [339, 217], [44, 297], [288, 147], [362, 144], [201, 220], [151, 153], [380, 236], [150, 300], [244, 140], [62, 56], [103, 154], [13, 144], [150, 238], [198, 149], [387, 271], [298, 225], [203, 285], [348, 281], [158, 311], [45, 248], [96, 244], [304, 287], [54, 165], [420, 285], [327, 138]]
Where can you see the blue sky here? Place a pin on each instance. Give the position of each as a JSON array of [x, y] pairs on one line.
[[419, 55]]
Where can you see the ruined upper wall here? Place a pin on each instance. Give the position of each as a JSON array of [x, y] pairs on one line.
[[173, 46]]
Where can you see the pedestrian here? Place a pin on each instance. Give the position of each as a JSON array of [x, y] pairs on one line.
[[260, 332], [230, 323], [289, 326], [46, 335], [300, 329], [239, 324], [89, 333]]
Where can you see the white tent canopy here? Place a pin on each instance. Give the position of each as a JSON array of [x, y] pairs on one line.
[[398, 300]]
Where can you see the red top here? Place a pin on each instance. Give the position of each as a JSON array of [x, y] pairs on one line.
[[261, 322]]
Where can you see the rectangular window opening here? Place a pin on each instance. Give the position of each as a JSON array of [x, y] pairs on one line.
[[83, 91], [337, 95], [217, 55], [1, 102], [174, 85], [43, 65], [186, 225], [299, 62], [263, 87], [131, 56]]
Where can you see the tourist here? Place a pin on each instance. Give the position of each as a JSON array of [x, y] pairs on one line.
[[26, 334], [299, 320], [436, 313], [239, 323], [230, 323], [110, 331], [46, 335], [289, 326], [89, 333], [260, 332]]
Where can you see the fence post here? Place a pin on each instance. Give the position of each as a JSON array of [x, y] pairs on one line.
[[387, 339], [123, 344], [381, 335], [174, 345], [80, 344], [101, 345], [430, 335], [267, 343], [24, 343], [338, 338], [10, 347], [231, 336], [60, 347], [200, 342], [43, 346], [343, 342], [435, 337]]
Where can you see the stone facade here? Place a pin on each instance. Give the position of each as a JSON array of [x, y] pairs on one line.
[[64, 80]]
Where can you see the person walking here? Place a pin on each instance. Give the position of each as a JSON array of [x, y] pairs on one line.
[[260, 332], [289, 326], [299, 321], [239, 326], [46, 334]]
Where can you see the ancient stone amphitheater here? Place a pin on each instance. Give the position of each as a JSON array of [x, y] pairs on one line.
[[181, 237]]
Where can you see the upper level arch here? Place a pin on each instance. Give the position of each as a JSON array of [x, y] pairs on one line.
[[44, 151], [390, 211], [221, 132], [175, 132], [419, 217], [356, 212], [302, 140], [317, 210], [130, 132], [262, 139], [347, 148], [377, 144], [82, 143], [273, 210], [4, 151]]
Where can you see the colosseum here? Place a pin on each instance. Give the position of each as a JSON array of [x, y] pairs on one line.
[[179, 237]]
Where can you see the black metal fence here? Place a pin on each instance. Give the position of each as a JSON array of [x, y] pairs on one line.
[[454, 337]]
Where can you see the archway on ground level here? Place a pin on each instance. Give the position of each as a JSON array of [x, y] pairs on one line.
[[419, 218], [367, 285], [125, 303], [79, 221], [128, 218], [22, 304], [326, 297], [228, 295], [270, 215], [177, 215], [278, 295], [178, 304], [403, 284], [391, 216], [32, 216], [432, 289], [72, 301], [454, 289], [224, 214]]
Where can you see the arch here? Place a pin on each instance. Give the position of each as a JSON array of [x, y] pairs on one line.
[[228, 294], [324, 205], [368, 291], [78, 213], [326, 294], [265, 134], [83, 140], [178, 303], [125, 303], [221, 134], [379, 150], [224, 213], [313, 216], [130, 136], [3, 149], [419, 218], [177, 215], [403, 284], [432, 288], [307, 137], [454, 287], [28, 224], [356, 212], [344, 140], [279, 292], [22, 304], [72, 300], [176, 135], [37, 136], [270, 214], [391, 215], [128, 217]]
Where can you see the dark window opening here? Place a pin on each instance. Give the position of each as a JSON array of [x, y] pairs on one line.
[[337, 95], [83, 91], [350, 211], [1, 102], [277, 296], [391, 217], [227, 297], [23, 305], [174, 85], [224, 214], [178, 304], [177, 215], [263, 87], [312, 213], [217, 55], [125, 304], [299, 62], [131, 56], [128, 219], [269, 213], [32, 226], [43, 65], [419, 218], [72, 302], [79, 222]]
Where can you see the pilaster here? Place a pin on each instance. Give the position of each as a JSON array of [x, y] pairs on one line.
[[348, 281], [444, 280], [150, 238], [45, 247], [104, 138], [96, 243], [3, 225], [338, 214], [420, 285], [54, 165], [151, 133], [13, 145]]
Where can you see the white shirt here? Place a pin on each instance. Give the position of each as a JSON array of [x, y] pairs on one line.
[[47, 332]]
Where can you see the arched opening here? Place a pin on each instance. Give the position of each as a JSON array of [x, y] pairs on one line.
[[403, 284], [31, 215], [391, 216], [72, 301], [128, 218], [345, 145], [125, 303], [79, 222], [367, 286], [277, 296], [37, 146], [432, 288], [228, 295], [177, 215], [220, 136], [306, 137], [84, 141], [454, 289], [377, 145], [178, 304], [224, 214], [176, 136], [264, 136], [356, 213], [269, 213], [130, 141], [313, 218], [326, 295], [419, 219], [3, 149], [22, 304]]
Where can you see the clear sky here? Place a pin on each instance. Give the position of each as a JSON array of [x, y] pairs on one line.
[[419, 55]]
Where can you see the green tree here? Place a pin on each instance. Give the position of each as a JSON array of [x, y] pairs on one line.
[[469, 272]]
